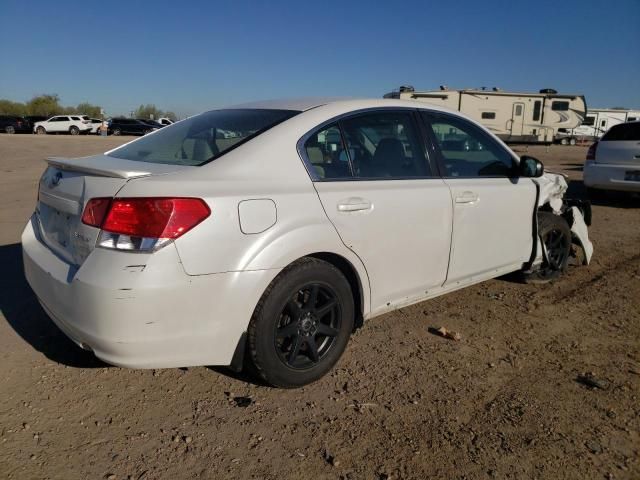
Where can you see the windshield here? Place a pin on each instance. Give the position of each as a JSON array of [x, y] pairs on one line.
[[202, 138]]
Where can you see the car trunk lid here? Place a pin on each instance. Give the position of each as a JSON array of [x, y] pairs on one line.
[[619, 152], [67, 185]]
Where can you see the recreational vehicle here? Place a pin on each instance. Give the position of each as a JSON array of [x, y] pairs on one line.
[[514, 117], [597, 122]]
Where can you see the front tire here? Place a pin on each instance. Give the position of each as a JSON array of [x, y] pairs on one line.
[[116, 131], [302, 324], [556, 236], [564, 141]]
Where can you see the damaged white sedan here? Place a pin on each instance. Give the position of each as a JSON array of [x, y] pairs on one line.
[[194, 247]]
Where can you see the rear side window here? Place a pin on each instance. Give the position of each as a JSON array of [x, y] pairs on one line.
[[560, 106], [199, 140], [488, 115], [589, 121], [371, 146], [384, 145], [623, 131]]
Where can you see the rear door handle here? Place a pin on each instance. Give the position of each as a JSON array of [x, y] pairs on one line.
[[354, 204], [467, 197]]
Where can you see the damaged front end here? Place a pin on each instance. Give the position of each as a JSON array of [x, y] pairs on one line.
[[577, 213]]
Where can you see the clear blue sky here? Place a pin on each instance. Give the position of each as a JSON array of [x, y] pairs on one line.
[[189, 56]]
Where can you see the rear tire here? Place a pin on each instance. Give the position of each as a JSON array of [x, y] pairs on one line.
[[74, 130], [10, 130], [41, 131], [302, 324], [572, 141], [116, 131], [564, 141], [556, 236]]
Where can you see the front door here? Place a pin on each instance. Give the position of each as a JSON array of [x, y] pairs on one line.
[[377, 188], [493, 208], [517, 119]]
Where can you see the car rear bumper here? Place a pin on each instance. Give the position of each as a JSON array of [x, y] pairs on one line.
[[143, 310], [610, 177]]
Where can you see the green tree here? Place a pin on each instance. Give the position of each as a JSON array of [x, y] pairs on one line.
[[146, 112], [171, 116], [47, 105], [7, 107], [85, 108]]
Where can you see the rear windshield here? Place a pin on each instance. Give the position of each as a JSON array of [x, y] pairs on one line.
[[202, 138], [623, 131]]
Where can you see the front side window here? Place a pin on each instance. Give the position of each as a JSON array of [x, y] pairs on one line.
[[384, 145], [467, 151], [589, 121], [196, 141], [560, 106], [488, 115]]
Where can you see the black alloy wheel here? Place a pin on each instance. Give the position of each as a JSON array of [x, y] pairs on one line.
[[301, 325], [308, 326]]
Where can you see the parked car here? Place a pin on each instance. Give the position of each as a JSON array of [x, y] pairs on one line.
[[183, 248], [32, 119], [95, 125], [153, 123], [613, 162], [14, 124], [73, 124], [165, 121], [129, 126]]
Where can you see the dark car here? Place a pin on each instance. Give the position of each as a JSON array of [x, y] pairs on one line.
[[32, 119], [129, 126], [153, 123], [14, 124]]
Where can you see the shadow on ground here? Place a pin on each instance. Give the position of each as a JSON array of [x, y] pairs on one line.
[[24, 314], [603, 198]]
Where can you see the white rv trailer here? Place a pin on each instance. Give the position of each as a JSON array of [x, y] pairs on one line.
[[514, 117], [597, 122]]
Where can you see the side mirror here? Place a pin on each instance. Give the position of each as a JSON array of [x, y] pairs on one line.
[[530, 167]]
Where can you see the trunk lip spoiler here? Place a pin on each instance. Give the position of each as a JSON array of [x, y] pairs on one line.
[[106, 166]]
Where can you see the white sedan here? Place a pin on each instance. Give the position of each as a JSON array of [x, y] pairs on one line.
[[613, 162], [188, 248]]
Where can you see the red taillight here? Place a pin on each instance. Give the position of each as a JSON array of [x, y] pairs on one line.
[[95, 211], [146, 217], [591, 153]]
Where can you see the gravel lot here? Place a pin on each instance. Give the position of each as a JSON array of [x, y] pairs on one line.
[[501, 403]]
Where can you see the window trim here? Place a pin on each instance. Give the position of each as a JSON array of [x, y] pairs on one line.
[[413, 112], [438, 152]]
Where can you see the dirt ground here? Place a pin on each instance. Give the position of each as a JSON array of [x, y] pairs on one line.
[[402, 403]]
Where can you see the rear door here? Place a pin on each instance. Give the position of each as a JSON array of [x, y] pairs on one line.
[[493, 208], [620, 145], [378, 189]]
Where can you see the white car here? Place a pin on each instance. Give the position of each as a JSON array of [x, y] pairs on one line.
[[73, 124], [96, 123], [187, 248], [613, 162]]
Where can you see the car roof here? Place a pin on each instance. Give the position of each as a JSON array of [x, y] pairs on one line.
[[304, 104]]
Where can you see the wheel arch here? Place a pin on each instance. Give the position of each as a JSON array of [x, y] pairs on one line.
[[352, 276]]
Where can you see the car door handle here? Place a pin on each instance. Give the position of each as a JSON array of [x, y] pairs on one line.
[[467, 197], [355, 204]]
